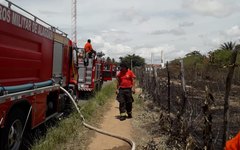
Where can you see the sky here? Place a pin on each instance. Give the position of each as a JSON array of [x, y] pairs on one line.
[[144, 27]]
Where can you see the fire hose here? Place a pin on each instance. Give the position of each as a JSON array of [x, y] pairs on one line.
[[133, 145]]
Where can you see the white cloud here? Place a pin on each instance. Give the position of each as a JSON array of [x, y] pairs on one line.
[[176, 31], [119, 50], [186, 24], [122, 27], [213, 40], [169, 53], [217, 41], [193, 49], [112, 50], [132, 15], [116, 36], [233, 31], [216, 8]]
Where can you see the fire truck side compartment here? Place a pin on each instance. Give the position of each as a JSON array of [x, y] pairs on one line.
[[24, 57]]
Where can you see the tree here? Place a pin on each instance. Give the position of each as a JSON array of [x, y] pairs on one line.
[[120, 58], [228, 46], [221, 56], [194, 53], [133, 60], [108, 60], [113, 60], [193, 59]]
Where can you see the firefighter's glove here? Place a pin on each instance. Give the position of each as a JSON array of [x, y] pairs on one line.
[[133, 90], [117, 91]]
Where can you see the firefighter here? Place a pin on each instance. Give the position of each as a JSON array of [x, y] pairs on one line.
[[234, 143], [88, 46], [125, 88], [88, 49]]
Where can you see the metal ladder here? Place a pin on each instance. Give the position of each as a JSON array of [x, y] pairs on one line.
[[85, 72], [89, 71]]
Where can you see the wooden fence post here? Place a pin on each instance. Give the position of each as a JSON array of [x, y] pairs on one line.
[[207, 132], [184, 98], [226, 100], [182, 76], [168, 85]]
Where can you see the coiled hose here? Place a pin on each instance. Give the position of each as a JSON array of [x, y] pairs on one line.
[[133, 145]]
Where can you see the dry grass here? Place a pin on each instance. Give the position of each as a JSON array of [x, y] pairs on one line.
[[70, 132]]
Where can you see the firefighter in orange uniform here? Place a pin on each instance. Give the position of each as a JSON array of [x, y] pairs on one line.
[[88, 51], [125, 88], [88, 46], [234, 143]]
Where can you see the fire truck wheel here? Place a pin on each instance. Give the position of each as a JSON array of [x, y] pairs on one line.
[[97, 87], [11, 134]]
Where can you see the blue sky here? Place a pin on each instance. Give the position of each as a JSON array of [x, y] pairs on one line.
[[121, 27]]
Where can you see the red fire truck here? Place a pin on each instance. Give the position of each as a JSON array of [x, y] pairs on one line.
[[91, 72], [108, 71], [35, 60]]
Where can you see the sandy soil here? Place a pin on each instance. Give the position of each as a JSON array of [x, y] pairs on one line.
[[142, 128], [111, 123]]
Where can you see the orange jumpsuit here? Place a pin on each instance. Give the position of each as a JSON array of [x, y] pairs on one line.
[[234, 143], [88, 47]]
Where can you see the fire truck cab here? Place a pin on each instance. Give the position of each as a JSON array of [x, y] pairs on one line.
[[108, 71]]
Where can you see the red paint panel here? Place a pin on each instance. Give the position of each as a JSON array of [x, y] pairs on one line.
[[39, 109], [66, 61], [24, 56]]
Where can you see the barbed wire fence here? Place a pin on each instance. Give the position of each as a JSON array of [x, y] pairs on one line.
[[192, 103]]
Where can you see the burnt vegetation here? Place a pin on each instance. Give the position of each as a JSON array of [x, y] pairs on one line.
[[195, 98]]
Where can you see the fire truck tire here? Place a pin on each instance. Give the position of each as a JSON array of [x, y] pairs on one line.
[[11, 134], [101, 84], [98, 87]]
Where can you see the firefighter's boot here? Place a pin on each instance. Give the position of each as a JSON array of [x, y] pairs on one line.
[[129, 115], [123, 116]]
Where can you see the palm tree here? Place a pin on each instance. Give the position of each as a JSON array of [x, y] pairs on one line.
[[228, 46], [194, 53]]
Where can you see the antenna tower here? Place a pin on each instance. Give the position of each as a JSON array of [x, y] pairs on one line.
[[161, 56], [152, 58], [74, 21]]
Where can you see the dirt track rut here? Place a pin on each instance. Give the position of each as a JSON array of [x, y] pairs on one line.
[[112, 124]]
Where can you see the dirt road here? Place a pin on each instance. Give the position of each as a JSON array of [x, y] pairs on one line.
[[112, 124]]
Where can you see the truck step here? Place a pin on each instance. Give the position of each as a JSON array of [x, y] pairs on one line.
[[88, 78], [89, 73], [89, 67]]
